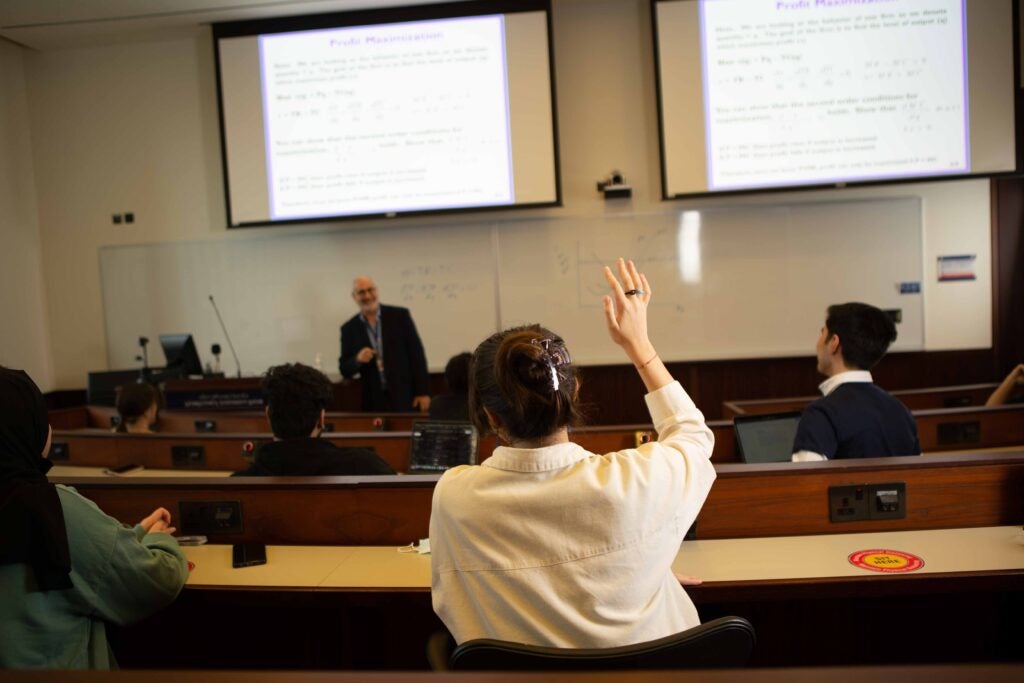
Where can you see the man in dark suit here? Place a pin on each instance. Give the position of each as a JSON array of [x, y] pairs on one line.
[[382, 346]]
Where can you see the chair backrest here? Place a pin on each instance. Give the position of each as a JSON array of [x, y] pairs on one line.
[[723, 643]]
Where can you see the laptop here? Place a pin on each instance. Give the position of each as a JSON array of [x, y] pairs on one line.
[[438, 445], [766, 438]]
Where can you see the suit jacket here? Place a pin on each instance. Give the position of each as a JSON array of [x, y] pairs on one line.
[[405, 363]]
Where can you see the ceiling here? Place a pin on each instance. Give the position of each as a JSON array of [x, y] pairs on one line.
[[58, 24]]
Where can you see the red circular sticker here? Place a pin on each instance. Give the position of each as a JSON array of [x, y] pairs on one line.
[[887, 561]]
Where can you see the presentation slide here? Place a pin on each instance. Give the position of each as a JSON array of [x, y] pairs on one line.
[[385, 118], [393, 117], [776, 93]]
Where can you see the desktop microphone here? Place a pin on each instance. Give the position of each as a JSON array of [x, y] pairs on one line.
[[226, 335]]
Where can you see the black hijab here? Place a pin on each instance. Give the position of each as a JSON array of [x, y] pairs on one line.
[[31, 518]]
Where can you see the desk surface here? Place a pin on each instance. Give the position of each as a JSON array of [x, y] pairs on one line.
[[944, 551], [77, 471], [990, 673]]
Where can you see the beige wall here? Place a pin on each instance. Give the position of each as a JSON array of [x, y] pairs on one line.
[[24, 342], [134, 127]]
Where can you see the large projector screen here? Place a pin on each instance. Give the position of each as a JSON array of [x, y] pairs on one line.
[[388, 112], [774, 94]]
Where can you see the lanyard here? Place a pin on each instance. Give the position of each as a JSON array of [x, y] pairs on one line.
[[376, 335]]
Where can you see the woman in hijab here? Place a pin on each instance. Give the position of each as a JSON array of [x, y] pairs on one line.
[[66, 568]]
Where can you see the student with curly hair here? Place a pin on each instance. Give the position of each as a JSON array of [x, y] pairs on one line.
[[297, 398]]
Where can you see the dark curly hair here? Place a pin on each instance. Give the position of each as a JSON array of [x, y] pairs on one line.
[[295, 395], [524, 376]]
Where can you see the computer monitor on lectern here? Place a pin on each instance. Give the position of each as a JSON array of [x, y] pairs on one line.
[[181, 355]]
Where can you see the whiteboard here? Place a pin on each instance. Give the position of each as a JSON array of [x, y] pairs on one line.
[[283, 298], [736, 282]]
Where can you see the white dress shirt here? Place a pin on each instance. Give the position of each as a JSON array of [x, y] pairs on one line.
[[561, 547], [826, 388]]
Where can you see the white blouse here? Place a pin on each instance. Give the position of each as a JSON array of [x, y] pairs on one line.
[[561, 547]]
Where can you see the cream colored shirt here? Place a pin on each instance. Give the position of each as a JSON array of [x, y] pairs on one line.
[[561, 547]]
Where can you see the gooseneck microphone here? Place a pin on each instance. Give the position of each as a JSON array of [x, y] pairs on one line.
[[226, 336]]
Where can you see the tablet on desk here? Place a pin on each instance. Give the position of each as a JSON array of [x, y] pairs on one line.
[[766, 438], [438, 445]]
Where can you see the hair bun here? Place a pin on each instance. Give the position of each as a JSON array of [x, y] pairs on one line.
[[528, 361]]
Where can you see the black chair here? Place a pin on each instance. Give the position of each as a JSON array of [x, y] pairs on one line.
[[726, 642]]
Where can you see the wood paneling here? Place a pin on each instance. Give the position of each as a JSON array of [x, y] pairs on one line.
[[914, 399], [943, 491], [1008, 270]]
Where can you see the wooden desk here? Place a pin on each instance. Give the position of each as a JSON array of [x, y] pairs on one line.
[[73, 471], [330, 607], [990, 673], [780, 560], [784, 499], [102, 448], [231, 422], [951, 429], [915, 399]]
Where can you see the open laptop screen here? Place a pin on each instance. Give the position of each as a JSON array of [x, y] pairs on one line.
[[438, 445], [766, 438]]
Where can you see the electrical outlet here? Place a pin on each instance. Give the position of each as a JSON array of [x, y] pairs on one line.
[[188, 456], [959, 432], [200, 517], [859, 502]]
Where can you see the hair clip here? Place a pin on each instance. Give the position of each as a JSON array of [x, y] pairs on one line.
[[556, 356]]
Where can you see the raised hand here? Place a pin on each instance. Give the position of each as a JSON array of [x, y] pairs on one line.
[[626, 314]]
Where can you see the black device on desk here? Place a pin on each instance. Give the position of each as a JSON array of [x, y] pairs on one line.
[[248, 554], [182, 357], [101, 387], [766, 438], [438, 445]]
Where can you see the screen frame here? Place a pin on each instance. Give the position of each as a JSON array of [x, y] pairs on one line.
[[1018, 104], [387, 15], [761, 417]]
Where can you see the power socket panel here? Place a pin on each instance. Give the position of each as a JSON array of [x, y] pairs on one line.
[[188, 457], [859, 502], [205, 426], [209, 517]]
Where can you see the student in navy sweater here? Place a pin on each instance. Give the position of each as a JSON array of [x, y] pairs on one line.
[[854, 418]]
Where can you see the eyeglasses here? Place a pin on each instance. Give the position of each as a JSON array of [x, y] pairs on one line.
[[367, 290]]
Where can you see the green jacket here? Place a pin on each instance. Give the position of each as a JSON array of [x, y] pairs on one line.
[[119, 574]]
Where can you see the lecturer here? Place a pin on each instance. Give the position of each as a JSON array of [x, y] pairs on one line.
[[381, 345]]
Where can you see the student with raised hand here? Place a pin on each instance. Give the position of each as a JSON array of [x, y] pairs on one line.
[[67, 568], [548, 544], [1012, 384]]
